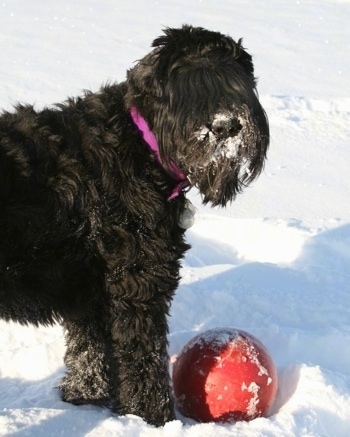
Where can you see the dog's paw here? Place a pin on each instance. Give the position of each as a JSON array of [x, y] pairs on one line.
[[76, 395]]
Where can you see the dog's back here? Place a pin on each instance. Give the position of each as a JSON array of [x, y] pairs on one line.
[[45, 263]]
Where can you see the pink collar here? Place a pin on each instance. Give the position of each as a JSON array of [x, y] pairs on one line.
[[180, 179]]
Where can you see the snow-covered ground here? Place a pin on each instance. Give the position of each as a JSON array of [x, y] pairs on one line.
[[276, 263]]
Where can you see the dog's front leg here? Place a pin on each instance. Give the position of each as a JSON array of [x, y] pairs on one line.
[[139, 333]]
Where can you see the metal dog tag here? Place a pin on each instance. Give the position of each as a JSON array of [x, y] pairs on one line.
[[186, 219]]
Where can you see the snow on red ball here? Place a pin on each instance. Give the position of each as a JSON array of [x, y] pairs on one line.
[[224, 375]]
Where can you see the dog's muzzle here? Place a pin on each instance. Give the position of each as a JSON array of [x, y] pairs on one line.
[[224, 134]]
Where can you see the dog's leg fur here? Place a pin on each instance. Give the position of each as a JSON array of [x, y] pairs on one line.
[[88, 361], [123, 362], [139, 333]]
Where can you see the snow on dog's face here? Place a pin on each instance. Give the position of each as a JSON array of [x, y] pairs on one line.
[[202, 106], [226, 134], [229, 153]]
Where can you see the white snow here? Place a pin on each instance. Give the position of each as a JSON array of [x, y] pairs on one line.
[[276, 263]]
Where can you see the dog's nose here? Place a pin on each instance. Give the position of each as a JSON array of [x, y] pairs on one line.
[[225, 127]]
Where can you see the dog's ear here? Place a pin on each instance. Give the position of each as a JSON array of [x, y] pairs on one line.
[[141, 77], [189, 40]]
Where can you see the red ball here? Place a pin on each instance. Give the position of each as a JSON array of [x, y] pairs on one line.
[[224, 375]]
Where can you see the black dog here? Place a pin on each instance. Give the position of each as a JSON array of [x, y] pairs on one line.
[[92, 208]]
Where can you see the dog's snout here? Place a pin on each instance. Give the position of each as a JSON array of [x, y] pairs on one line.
[[225, 127]]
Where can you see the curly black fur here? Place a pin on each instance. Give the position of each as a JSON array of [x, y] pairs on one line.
[[88, 237]]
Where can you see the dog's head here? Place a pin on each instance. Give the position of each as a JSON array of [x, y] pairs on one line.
[[198, 93]]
